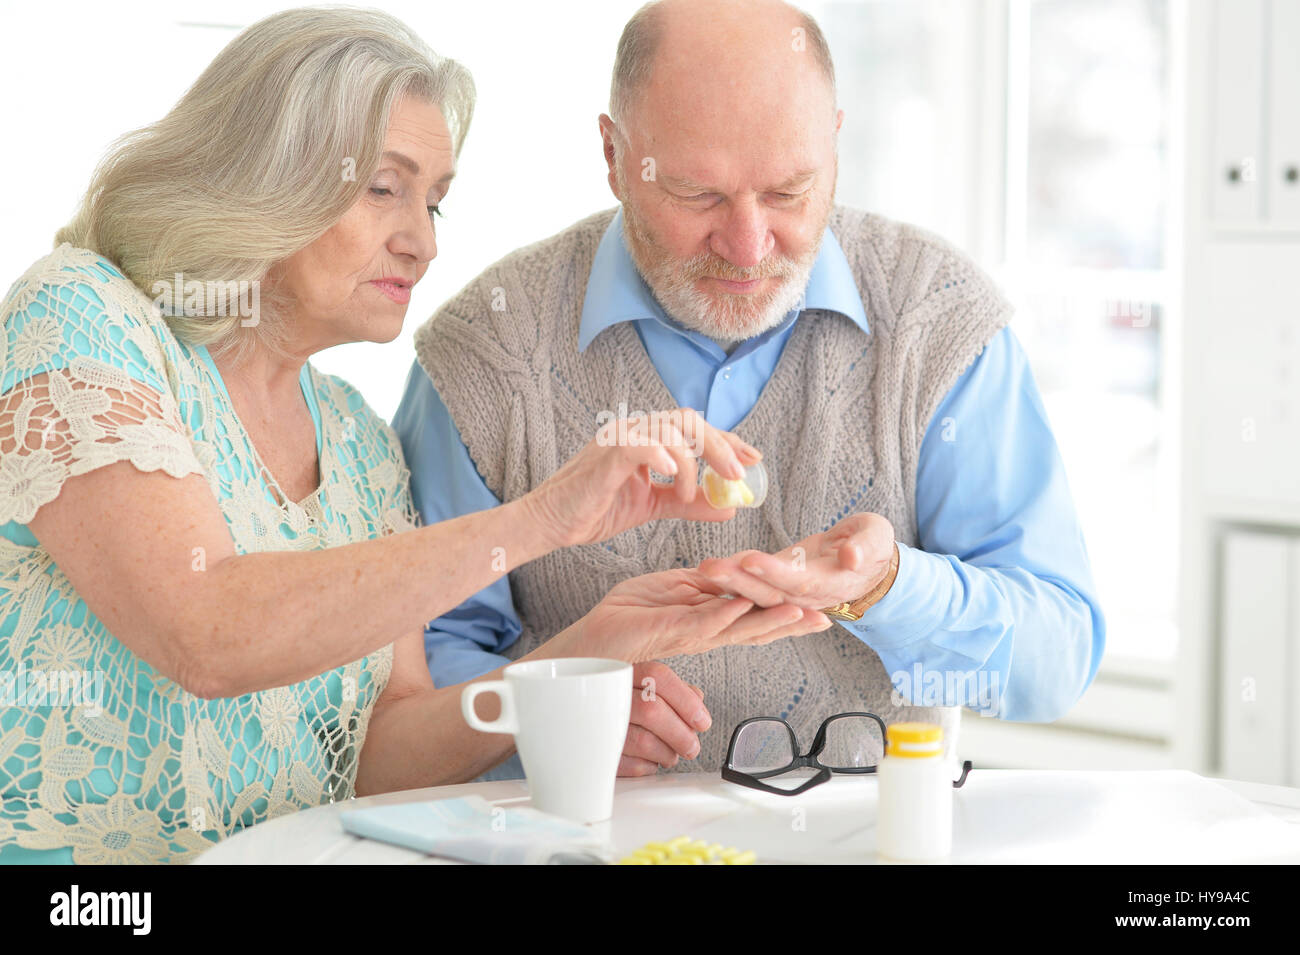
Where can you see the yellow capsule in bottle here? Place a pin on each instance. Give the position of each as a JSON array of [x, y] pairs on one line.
[[722, 493]]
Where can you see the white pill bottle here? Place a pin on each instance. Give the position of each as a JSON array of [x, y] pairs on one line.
[[914, 820]]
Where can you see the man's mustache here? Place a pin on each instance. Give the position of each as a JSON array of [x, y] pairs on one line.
[[713, 267]]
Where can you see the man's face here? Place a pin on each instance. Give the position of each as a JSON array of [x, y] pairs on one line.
[[725, 199]]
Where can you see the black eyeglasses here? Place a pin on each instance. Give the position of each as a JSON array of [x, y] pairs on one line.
[[765, 746]]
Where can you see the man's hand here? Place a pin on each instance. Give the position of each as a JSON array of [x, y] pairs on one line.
[[839, 565], [667, 715]]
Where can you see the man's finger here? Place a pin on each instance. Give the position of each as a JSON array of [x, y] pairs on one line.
[[643, 744], [635, 766], [851, 556], [668, 701]]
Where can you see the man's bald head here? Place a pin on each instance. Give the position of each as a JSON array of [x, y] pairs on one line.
[[692, 33]]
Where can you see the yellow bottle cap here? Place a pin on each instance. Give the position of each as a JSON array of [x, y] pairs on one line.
[[914, 740]]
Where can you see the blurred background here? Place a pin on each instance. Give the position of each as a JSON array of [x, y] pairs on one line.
[[1126, 169]]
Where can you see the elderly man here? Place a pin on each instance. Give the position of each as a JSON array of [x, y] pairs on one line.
[[914, 481]]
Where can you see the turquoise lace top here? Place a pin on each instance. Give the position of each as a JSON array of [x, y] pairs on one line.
[[102, 758]]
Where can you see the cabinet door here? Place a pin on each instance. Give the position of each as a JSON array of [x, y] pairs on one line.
[[1248, 372], [1282, 190], [1254, 741], [1238, 86], [1293, 676]]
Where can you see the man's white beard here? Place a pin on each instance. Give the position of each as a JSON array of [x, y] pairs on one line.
[[726, 318]]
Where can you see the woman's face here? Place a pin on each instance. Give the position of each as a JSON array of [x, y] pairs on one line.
[[354, 282]]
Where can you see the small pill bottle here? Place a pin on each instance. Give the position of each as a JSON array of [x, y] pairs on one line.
[[914, 818], [749, 491]]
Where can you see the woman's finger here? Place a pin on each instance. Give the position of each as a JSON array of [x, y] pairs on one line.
[[727, 573], [747, 453], [686, 478], [814, 621], [761, 622], [669, 504], [716, 448], [705, 624]]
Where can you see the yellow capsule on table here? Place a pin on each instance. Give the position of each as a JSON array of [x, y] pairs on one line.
[[683, 850]]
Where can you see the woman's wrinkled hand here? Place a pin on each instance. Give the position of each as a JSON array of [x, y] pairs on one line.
[[606, 487], [675, 612]]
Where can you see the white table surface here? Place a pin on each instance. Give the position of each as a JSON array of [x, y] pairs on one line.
[[999, 816]]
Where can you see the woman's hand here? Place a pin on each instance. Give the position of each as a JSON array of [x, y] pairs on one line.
[[678, 612], [606, 488]]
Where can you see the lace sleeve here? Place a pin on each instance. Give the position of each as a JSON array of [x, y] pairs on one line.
[[83, 382]]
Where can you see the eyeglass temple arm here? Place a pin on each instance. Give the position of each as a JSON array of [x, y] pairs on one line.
[[961, 780]]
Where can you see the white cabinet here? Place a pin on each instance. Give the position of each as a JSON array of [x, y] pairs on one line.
[[1238, 121], [1238, 381], [1247, 373], [1254, 172], [1259, 722], [1283, 180]]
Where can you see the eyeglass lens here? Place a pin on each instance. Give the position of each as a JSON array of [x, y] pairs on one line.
[[762, 746], [852, 742]]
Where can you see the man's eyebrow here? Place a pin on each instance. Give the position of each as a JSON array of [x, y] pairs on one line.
[[681, 183], [678, 182], [797, 179]]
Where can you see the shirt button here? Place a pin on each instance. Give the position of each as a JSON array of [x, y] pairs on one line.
[[726, 372]]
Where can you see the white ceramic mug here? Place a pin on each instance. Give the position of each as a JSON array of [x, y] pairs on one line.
[[569, 718]]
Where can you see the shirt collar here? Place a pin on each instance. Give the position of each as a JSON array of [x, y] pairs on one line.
[[616, 292]]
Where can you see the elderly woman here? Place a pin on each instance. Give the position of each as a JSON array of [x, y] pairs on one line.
[[198, 530]]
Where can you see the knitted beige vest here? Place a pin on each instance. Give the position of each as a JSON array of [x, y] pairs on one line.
[[840, 425]]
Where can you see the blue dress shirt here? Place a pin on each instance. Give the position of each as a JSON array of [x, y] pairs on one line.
[[996, 610]]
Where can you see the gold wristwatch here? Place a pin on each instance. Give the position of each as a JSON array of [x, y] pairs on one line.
[[855, 609]]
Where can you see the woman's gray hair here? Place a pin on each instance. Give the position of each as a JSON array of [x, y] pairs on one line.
[[268, 149]]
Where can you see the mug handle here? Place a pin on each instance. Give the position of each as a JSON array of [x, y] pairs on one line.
[[506, 722]]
